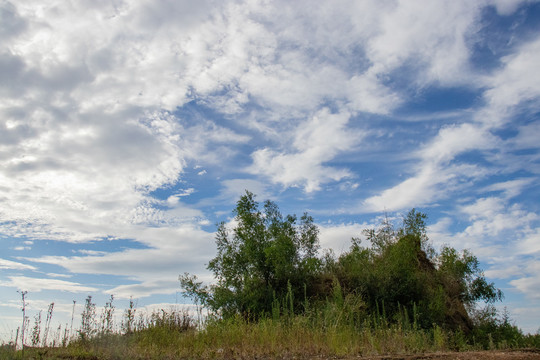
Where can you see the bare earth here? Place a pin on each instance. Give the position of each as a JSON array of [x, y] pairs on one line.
[[481, 355]]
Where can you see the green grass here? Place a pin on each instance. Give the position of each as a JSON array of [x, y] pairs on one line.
[[236, 338], [329, 330]]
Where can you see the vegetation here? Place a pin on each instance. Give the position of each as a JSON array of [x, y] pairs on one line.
[[275, 296], [265, 261], [268, 262], [331, 330]]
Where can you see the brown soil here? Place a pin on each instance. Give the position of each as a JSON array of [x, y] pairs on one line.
[[526, 354]]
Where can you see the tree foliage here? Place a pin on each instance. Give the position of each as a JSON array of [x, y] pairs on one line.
[[267, 259], [403, 273], [264, 258]]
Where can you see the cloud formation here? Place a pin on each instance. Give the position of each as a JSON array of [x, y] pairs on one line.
[[141, 122]]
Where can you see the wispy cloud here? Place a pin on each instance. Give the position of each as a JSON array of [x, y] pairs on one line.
[[8, 264], [39, 284]]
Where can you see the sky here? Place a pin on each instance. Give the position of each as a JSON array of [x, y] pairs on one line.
[[128, 129]]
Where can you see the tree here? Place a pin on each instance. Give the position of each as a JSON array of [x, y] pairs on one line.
[[265, 258], [402, 272], [464, 279]]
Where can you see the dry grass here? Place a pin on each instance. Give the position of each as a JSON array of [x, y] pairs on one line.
[[329, 331]]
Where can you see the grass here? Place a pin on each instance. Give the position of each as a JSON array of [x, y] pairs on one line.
[[330, 330]]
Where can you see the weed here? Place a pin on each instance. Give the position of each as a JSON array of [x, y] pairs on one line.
[[106, 320], [48, 323], [36, 330], [336, 327], [88, 320], [72, 316], [129, 318], [24, 318]]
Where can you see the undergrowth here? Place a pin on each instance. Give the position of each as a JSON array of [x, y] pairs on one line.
[[330, 329]]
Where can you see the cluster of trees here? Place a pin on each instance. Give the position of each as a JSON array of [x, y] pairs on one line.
[[269, 261]]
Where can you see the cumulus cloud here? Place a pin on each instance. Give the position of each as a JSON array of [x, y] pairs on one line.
[[11, 23], [96, 107], [93, 171], [433, 36], [512, 89], [315, 142], [86, 139], [338, 236], [531, 243], [529, 284], [502, 234]]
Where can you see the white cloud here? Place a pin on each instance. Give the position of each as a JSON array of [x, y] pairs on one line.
[[515, 85], [503, 271], [506, 7], [316, 141], [509, 87], [11, 22], [531, 243], [416, 190], [529, 285], [437, 175], [234, 188], [68, 174], [38, 284], [526, 317], [491, 216], [429, 184], [87, 139], [366, 94], [503, 236], [246, 51], [338, 236], [457, 139], [439, 232], [145, 289], [527, 137], [510, 188], [172, 251], [8, 264], [426, 35]]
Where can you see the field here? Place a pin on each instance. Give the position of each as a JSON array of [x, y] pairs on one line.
[[319, 335]]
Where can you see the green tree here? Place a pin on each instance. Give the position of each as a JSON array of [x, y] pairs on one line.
[[401, 272], [268, 261], [461, 272], [266, 257]]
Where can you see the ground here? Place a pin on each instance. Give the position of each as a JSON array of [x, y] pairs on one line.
[[480, 355]]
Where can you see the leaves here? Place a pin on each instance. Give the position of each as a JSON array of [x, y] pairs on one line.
[[268, 258], [262, 255]]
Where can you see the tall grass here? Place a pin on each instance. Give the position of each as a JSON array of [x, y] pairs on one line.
[[336, 327]]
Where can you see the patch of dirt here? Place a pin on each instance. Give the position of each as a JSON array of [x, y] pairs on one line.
[[527, 354]]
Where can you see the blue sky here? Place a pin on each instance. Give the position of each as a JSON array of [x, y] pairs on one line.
[[128, 129]]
